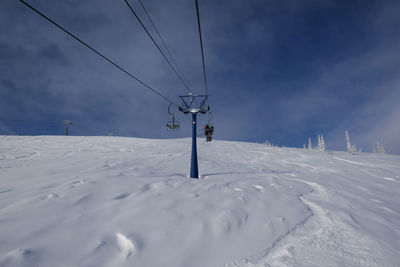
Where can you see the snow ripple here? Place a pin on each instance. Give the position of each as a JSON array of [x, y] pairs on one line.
[[125, 245]]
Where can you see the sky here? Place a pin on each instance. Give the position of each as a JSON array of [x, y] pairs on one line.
[[281, 71]]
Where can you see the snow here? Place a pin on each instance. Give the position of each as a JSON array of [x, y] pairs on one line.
[[112, 201]]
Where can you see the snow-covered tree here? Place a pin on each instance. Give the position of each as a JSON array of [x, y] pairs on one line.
[[321, 143], [309, 144], [304, 146], [350, 148], [379, 148], [267, 143], [348, 142]]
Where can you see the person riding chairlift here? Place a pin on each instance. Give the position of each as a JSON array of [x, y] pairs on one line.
[[208, 131]]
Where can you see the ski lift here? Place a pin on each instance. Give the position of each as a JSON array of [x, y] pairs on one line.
[[172, 125]]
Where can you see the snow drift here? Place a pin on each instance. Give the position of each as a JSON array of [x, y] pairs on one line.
[[110, 201]]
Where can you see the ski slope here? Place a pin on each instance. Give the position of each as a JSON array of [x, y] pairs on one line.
[[112, 201]]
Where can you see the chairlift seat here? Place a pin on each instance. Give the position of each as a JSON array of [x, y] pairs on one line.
[[173, 125]]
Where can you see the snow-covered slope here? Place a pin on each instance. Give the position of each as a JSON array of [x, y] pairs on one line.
[[109, 201]]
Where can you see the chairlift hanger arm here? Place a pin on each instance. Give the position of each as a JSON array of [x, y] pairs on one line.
[[169, 110]]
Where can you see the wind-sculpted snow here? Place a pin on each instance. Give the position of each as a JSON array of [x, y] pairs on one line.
[[109, 201]]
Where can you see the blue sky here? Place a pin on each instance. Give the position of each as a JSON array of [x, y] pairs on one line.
[[281, 71]]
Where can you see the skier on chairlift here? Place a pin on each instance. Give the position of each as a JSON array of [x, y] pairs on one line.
[[208, 131]]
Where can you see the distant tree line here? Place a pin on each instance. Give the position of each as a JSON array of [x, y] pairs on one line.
[[350, 148]]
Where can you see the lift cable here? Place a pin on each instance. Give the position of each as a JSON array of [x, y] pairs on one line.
[[159, 49], [164, 43], [98, 53], [201, 45]]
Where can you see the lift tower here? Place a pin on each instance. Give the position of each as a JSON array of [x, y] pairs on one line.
[[194, 104], [67, 123]]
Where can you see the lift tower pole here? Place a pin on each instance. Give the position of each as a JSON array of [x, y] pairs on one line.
[[194, 169], [194, 104], [67, 123]]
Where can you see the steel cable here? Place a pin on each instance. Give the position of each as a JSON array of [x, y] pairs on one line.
[[99, 54], [158, 47]]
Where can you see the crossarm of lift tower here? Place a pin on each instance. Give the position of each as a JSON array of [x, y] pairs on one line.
[[193, 103]]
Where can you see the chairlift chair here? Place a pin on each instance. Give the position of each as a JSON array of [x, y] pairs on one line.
[[210, 126], [172, 125]]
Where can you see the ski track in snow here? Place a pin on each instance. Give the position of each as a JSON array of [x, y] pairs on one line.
[[322, 239], [109, 201]]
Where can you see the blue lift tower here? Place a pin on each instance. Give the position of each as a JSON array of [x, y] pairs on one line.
[[194, 104]]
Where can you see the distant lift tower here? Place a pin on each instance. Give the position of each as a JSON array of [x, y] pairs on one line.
[[67, 123], [194, 104]]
